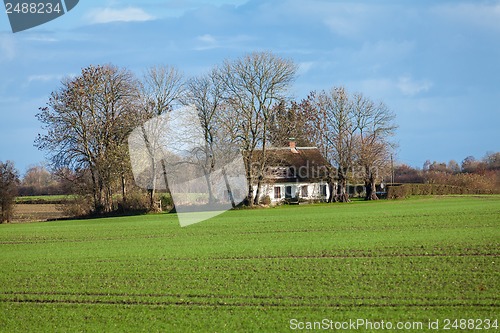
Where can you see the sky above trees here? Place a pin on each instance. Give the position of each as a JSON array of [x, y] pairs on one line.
[[434, 63]]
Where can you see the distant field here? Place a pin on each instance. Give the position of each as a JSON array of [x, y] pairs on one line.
[[44, 199], [39, 208], [36, 212], [256, 270]]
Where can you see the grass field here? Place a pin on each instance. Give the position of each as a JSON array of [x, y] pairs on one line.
[[265, 270]]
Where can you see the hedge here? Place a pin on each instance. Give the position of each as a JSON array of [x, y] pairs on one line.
[[399, 191]]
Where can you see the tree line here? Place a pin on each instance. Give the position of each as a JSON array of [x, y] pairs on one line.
[[245, 102], [477, 174]]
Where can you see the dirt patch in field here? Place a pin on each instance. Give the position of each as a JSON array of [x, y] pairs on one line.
[[36, 212]]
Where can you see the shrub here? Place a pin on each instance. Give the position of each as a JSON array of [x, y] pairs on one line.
[[400, 191], [78, 206], [167, 203], [266, 200], [9, 181], [137, 201]]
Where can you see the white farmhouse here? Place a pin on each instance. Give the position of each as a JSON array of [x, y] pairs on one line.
[[294, 174]]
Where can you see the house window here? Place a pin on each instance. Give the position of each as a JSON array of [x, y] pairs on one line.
[[277, 192], [288, 192], [304, 192], [323, 190]]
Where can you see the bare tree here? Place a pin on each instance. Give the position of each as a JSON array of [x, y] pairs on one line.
[[470, 164], [38, 180], [206, 94], [453, 167], [374, 129], [290, 120], [333, 121], [9, 180], [352, 130], [161, 88], [253, 85], [87, 123], [492, 160]]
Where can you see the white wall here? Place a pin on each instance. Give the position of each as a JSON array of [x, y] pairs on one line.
[[313, 191]]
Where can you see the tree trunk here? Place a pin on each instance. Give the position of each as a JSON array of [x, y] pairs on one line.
[[94, 190], [211, 198], [370, 189], [152, 189], [109, 199], [343, 196], [164, 167], [124, 189], [101, 204], [249, 199], [152, 185], [228, 188], [209, 167], [257, 193], [151, 196]]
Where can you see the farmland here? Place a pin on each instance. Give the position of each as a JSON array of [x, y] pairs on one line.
[[415, 260], [39, 208]]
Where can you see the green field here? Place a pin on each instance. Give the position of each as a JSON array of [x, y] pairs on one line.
[[256, 270]]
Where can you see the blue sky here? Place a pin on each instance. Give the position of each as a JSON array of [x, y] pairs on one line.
[[436, 64]]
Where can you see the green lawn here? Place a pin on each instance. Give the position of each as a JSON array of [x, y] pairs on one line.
[[261, 270]]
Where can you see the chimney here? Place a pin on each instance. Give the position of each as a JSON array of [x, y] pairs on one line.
[[292, 146]]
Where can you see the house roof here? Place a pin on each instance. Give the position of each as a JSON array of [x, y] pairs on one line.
[[298, 164]]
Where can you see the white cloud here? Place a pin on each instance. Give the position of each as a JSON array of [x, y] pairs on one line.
[[208, 42], [44, 77], [477, 14], [342, 26], [207, 38], [305, 67], [349, 19], [387, 88], [7, 47], [387, 49], [42, 38], [410, 87], [376, 88], [129, 14]]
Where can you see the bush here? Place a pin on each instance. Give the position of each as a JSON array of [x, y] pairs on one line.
[[78, 206], [484, 183], [266, 200], [401, 191], [9, 181], [137, 201], [167, 203]]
